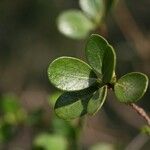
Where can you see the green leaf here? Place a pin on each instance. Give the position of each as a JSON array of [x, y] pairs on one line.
[[71, 74], [74, 24], [97, 101], [131, 87], [101, 57], [50, 142], [71, 105], [94, 9]]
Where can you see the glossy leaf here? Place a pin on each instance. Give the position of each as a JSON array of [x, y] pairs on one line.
[[94, 9], [71, 105], [131, 87], [71, 74], [101, 57], [97, 100], [50, 142], [74, 24]]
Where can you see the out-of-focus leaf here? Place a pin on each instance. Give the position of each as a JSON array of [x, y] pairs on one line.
[[11, 109], [63, 127], [146, 129], [74, 24], [35, 118], [94, 9], [6, 131], [131, 87], [103, 146], [101, 57], [53, 97], [9, 104], [50, 142], [71, 74], [16, 117]]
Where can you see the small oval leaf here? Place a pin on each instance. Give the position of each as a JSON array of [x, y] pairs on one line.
[[97, 101], [131, 87], [71, 74], [74, 24], [71, 105], [101, 57], [94, 9]]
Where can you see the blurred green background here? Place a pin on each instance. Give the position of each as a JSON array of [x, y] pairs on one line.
[[30, 40]]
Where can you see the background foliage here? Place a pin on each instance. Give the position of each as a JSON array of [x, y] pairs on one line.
[[29, 40]]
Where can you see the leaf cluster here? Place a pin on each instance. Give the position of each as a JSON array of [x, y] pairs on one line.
[[85, 85], [77, 24]]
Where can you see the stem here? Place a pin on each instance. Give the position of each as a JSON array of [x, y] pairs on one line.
[[141, 112], [79, 128], [138, 142], [131, 31]]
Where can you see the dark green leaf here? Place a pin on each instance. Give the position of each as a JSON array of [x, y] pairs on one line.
[[131, 87], [101, 57], [97, 100], [71, 105], [7, 131], [71, 74], [94, 9], [74, 24]]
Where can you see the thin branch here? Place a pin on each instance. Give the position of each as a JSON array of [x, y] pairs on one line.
[[141, 112], [138, 142], [131, 31]]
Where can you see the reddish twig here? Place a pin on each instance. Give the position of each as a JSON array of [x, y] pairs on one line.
[[141, 112]]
